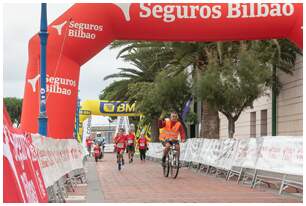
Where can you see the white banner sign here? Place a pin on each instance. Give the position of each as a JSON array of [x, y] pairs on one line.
[[281, 154], [276, 154], [57, 157]]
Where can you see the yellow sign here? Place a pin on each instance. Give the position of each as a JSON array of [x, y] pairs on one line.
[[104, 108]]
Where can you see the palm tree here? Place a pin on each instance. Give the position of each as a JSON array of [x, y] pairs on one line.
[[178, 56], [196, 56], [147, 62]]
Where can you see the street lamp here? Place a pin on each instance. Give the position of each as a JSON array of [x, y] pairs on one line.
[[43, 34]]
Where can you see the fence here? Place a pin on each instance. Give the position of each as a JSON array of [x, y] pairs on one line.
[[39, 169], [279, 158]]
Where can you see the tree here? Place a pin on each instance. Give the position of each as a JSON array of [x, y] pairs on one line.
[[14, 108], [135, 82], [162, 96], [234, 84], [117, 90], [146, 62], [197, 55]]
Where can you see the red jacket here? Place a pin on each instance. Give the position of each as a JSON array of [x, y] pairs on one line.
[[88, 142], [130, 139], [143, 143], [97, 149], [120, 141]]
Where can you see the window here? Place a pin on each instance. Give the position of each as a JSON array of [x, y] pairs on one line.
[[253, 124], [263, 123]]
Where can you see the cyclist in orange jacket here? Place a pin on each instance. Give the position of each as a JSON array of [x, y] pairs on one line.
[[170, 130]]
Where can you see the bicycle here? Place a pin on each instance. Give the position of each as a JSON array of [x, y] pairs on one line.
[[172, 164]]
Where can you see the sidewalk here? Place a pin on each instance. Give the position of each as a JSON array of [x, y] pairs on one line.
[[89, 192]]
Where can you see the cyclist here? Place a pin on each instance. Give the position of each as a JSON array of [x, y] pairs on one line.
[[120, 141], [97, 151], [130, 145], [170, 130]]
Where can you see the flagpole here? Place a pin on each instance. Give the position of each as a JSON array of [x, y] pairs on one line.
[[43, 34]]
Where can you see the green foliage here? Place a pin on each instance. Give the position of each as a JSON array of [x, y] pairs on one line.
[[173, 92], [191, 118], [228, 75], [234, 85], [165, 94], [115, 91], [14, 108]]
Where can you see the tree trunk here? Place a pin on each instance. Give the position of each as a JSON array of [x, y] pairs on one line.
[[209, 122], [154, 130], [231, 127]]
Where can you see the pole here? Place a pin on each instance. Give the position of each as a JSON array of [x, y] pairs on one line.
[[274, 102], [43, 34], [77, 121]]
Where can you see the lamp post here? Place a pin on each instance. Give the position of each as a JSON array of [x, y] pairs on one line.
[[77, 119], [43, 34]]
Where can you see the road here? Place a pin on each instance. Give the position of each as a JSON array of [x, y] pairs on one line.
[[144, 182]]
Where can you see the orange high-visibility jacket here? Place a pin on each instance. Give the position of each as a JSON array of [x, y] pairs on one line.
[[167, 132]]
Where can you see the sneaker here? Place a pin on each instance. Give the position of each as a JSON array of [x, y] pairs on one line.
[[122, 162], [119, 166]]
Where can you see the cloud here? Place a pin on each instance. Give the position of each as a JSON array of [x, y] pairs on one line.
[[18, 29]]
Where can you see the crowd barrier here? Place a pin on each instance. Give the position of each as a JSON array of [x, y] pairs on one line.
[[277, 157], [57, 157], [34, 165]]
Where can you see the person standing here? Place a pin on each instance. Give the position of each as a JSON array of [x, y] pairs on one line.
[[142, 146]]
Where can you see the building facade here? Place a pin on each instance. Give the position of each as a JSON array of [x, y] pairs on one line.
[[257, 121]]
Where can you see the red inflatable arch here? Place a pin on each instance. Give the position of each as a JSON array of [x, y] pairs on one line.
[[85, 29]]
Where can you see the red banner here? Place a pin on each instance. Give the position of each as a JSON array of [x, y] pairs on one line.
[[22, 177]]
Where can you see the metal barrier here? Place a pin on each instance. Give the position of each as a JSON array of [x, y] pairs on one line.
[[250, 160], [58, 192]]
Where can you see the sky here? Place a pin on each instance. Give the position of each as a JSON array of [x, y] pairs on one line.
[[17, 32]]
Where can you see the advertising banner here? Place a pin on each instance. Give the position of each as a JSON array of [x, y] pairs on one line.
[[275, 154], [281, 154], [22, 178], [227, 153], [57, 157]]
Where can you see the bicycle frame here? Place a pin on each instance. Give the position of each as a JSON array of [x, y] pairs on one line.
[[172, 162]]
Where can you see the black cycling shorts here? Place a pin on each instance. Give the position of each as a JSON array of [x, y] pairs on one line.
[[171, 141]]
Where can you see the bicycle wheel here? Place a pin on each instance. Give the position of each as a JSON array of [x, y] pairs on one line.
[[174, 166], [166, 167]]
